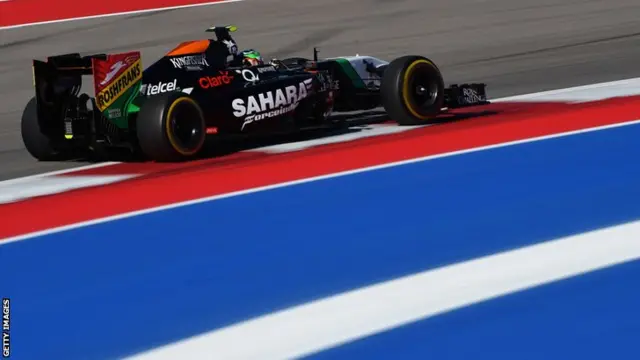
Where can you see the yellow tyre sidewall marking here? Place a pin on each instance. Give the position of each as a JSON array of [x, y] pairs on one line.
[[405, 87], [170, 135]]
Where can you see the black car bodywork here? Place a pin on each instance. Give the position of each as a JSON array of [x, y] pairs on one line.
[[166, 111]]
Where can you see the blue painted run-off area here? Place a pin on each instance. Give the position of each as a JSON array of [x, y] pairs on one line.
[[125, 286]]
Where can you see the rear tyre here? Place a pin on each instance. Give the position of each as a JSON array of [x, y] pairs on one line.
[[171, 127], [37, 143], [412, 90]]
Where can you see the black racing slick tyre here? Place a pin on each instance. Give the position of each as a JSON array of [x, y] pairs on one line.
[[412, 90], [170, 127], [38, 144]]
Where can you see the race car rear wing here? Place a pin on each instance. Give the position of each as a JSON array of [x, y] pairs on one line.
[[58, 82], [61, 74]]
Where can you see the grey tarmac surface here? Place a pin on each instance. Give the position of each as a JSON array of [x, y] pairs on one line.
[[515, 46]]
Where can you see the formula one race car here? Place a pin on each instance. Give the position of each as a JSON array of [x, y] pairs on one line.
[[208, 88]]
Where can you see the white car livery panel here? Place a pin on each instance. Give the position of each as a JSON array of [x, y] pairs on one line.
[[356, 68], [270, 103]]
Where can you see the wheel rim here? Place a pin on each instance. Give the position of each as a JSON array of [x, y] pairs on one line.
[[421, 89], [185, 127], [424, 90]]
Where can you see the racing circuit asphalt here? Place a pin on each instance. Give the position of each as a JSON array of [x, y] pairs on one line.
[[515, 46]]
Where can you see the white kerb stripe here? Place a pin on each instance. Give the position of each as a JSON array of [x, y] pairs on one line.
[[336, 320], [57, 172], [23, 237], [10, 192]]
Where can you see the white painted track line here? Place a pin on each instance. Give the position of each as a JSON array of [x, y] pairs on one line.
[[330, 322], [592, 92], [220, 2]]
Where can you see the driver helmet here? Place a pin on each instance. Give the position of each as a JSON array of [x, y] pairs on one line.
[[251, 58]]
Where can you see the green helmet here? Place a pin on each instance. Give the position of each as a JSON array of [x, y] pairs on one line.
[[253, 57]]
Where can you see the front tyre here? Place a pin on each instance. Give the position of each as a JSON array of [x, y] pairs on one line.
[[412, 90], [171, 127]]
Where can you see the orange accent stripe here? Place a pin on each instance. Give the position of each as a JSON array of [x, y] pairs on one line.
[[190, 47]]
